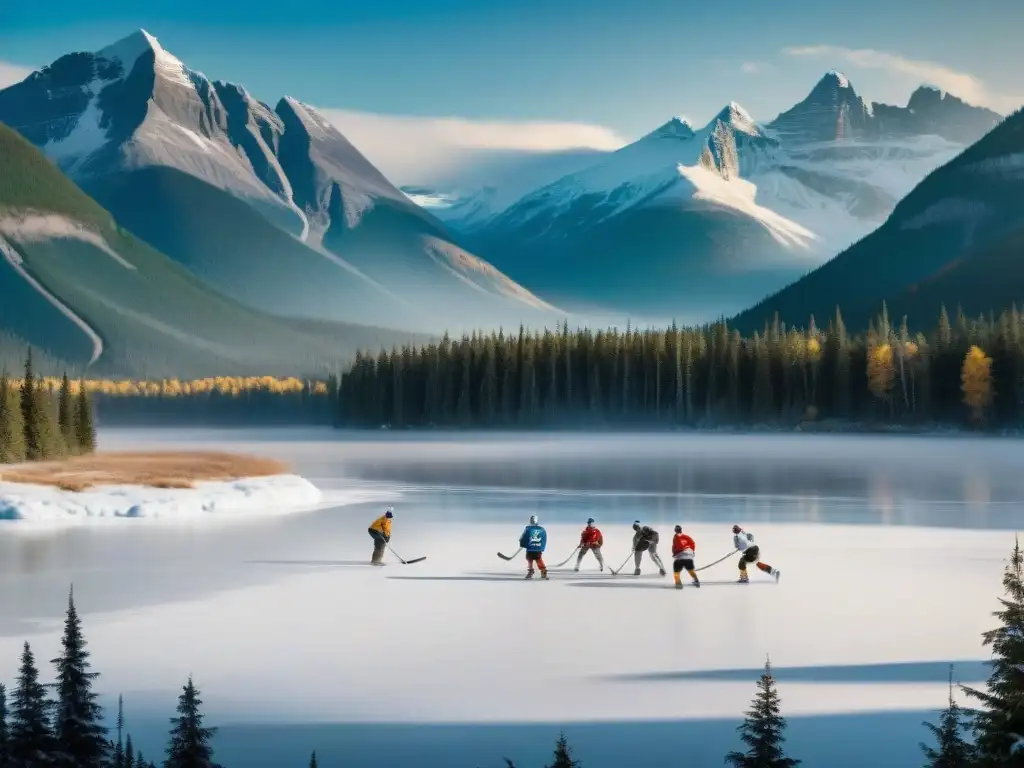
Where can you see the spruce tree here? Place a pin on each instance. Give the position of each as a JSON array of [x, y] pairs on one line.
[[129, 752], [312, 760], [189, 745], [65, 414], [31, 743], [30, 412], [563, 755], [78, 723], [999, 723], [12, 432], [5, 741], [118, 748], [762, 729], [952, 750], [85, 430]]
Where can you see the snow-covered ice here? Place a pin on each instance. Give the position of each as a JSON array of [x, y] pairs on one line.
[[273, 495], [891, 552]]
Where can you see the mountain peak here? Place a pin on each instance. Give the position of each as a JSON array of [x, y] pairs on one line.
[[128, 49], [737, 117], [836, 79], [677, 128]]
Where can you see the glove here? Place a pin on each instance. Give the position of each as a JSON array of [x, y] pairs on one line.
[[387, 539]]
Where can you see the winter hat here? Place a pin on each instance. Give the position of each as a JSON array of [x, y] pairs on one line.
[[590, 521], [390, 513], [636, 525], [736, 529], [679, 529], [533, 519]]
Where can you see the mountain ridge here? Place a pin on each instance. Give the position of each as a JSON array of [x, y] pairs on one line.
[[133, 105]]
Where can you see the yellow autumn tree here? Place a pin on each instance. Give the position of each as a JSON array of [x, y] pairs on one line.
[[976, 381], [880, 370]]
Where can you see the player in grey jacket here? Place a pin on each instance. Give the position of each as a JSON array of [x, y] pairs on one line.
[[751, 553], [645, 540]]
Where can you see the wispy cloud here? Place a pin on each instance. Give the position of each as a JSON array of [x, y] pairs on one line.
[[968, 87], [411, 149], [755, 67], [12, 73]]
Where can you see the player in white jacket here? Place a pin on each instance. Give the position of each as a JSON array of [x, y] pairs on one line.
[[751, 553]]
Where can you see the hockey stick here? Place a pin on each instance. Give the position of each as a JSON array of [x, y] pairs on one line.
[[406, 562], [559, 565], [615, 572], [716, 561], [512, 556]]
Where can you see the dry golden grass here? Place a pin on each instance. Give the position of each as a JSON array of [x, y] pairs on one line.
[[157, 470]]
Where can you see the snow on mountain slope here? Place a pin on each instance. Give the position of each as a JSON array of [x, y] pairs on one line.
[[471, 195], [775, 199], [109, 117]]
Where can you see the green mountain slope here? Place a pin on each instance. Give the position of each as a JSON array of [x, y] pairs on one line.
[[955, 239], [80, 287]]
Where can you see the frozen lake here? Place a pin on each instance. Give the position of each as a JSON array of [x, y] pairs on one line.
[[891, 551]]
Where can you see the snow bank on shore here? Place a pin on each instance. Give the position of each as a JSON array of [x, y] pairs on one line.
[[263, 496]]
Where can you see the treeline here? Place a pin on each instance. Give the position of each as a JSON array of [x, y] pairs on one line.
[[962, 372], [43, 419], [223, 400]]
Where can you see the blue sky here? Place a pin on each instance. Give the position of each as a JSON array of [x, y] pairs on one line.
[[621, 66]]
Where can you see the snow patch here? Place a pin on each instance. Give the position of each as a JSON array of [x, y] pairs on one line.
[[739, 195], [87, 135], [37, 228], [263, 496]]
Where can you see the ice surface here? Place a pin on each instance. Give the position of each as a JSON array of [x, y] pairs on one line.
[[297, 644], [274, 495]]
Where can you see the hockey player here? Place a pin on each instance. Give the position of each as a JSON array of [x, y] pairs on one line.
[[744, 542], [534, 540], [380, 532], [591, 540], [645, 540], [683, 552]]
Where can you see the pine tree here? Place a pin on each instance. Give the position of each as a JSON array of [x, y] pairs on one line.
[[563, 755], [85, 430], [12, 430], [5, 740], [189, 745], [31, 743], [129, 752], [119, 753], [999, 723], [78, 724], [30, 412], [762, 730], [65, 413], [953, 751], [312, 760]]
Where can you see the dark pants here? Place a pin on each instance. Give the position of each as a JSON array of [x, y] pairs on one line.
[[379, 543], [535, 557], [750, 555], [682, 565]]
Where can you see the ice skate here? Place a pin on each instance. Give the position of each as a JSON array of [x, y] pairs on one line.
[[776, 575], [661, 571], [529, 574], [679, 585], [696, 583], [576, 569], [743, 579], [544, 575], [636, 571]]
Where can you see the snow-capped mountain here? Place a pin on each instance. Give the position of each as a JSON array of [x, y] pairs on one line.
[[696, 221], [323, 235], [957, 240]]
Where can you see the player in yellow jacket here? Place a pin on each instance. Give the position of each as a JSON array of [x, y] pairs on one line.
[[380, 532]]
